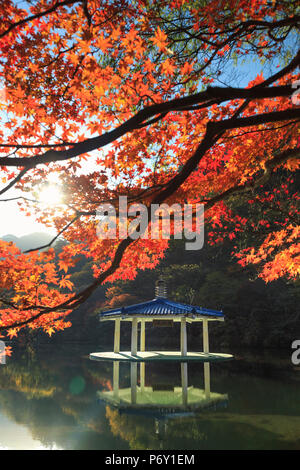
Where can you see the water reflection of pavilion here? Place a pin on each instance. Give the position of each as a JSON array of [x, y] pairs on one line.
[[161, 402]]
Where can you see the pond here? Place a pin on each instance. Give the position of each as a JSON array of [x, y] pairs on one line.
[[57, 398]]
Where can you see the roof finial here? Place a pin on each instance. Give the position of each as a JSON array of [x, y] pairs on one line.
[[161, 288]]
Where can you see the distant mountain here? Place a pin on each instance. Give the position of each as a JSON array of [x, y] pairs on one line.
[[32, 240]]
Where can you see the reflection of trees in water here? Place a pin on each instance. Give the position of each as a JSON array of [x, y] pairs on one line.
[[40, 394], [207, 431], [150, 433], [43, 417], [208, 428], [35, 382], [262, 412], [136, 430]]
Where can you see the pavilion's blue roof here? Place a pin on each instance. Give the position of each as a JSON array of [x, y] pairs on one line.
[[161, 306]]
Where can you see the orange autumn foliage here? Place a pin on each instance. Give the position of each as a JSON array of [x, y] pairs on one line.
[[124, 98]]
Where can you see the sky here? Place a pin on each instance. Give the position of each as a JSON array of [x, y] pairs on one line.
[[14, 222]]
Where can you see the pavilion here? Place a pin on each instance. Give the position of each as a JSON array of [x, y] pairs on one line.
[[161, 312]]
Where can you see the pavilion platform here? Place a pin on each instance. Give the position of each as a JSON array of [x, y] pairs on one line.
[[148, 356]]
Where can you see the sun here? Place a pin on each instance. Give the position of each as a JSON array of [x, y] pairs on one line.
[[51, 195]]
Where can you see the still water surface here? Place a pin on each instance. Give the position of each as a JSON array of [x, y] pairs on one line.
[[56, 398]]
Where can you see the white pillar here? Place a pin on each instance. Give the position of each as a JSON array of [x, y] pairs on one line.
[[183, 339], [117, 335], [142, 337], [184, 383], [142, 376], [133, 381], [116, 375], [207, 379], [142, 348], [205, 337], [134, 337]]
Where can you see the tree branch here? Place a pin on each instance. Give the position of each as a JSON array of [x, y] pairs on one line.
[[142, 117], [38, 15]]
